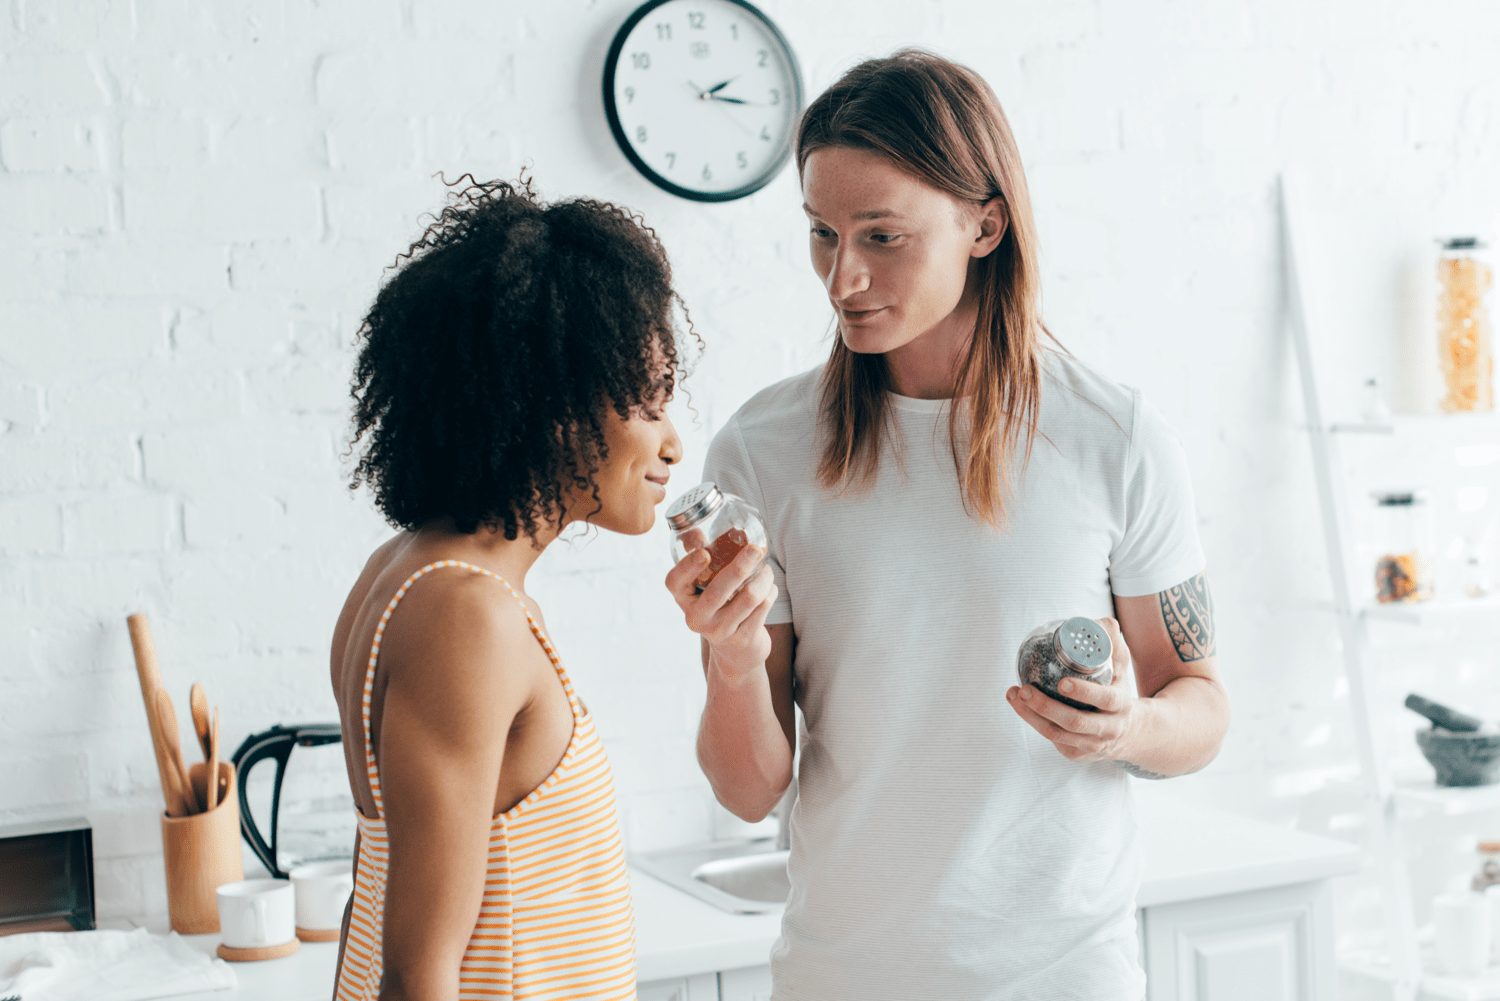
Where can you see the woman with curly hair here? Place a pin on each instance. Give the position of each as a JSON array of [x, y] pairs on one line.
[[511, 381]]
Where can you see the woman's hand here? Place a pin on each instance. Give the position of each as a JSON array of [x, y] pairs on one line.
[[731, 612], [1079, 735]]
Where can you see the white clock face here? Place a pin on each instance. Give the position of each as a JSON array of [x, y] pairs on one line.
[[703, 96]]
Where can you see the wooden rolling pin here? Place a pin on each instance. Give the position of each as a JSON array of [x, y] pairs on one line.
[[149, 672]]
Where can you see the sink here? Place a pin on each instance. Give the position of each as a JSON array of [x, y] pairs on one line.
[[741, 877]]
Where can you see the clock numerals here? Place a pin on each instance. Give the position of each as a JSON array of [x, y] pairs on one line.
[[765, 132], [775, 96], [695, 20], [663, 32], [734, 32], [640, 134], [641, 60], [629, 95], [708, 175], [671, 160], [764, 55], [741, 160]]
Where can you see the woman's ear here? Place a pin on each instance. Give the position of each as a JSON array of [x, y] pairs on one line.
[[994, 219]]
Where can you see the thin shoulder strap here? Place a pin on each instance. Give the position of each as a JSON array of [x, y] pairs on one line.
[[385, 617]]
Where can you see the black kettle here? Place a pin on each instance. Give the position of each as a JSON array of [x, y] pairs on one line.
[[321, 839]]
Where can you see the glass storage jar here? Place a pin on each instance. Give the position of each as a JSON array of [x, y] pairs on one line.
[[1465, 345], [1404, 544], [708, 518], [1066, 648]]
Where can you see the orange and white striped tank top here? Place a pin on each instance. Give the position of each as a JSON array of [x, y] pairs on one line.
[[556, 920]]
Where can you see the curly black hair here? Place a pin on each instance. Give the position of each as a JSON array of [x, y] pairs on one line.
[[493, 354]]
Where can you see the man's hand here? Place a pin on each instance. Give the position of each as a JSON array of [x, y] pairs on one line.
[[1080, 735], [731, 612]]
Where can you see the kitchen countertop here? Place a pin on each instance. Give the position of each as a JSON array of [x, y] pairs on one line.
[[1189, 854]]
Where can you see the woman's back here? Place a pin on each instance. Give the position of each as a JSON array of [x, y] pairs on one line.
[[553, 917]]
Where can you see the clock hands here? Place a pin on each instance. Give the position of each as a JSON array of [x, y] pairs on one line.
[[712, 93]]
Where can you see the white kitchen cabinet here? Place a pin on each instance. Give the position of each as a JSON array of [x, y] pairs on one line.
[[703, 987], [1263, 945], [749, 984]]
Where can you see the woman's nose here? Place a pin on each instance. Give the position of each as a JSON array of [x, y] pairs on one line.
[[848, 276], [671, 442]]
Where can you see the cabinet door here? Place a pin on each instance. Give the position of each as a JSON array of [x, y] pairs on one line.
[[1265, 945], [753, 983], [704, 987]]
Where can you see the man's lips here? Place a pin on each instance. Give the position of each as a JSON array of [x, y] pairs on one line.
[[859, 314]]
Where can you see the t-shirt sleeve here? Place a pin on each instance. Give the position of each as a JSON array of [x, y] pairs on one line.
[[1159, 547], [729, 466]]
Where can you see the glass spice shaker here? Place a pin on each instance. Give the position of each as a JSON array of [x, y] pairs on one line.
[[1405, 540], [1066, 648], [708, 518], [1465, 349], [1489, 866]]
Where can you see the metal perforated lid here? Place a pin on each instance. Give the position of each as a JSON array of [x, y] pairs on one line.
[[1083, 645], [695, 505]]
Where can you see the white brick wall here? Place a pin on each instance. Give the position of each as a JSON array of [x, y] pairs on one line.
[[197, 201]]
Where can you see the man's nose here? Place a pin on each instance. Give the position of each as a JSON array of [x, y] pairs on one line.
[[848, 276]]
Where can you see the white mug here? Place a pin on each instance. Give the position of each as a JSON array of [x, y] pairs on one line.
[[257, 912], [323, 889], [1462, 921]]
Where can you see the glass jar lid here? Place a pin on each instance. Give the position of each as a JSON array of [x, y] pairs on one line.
[[1399, 498], [1083, 644], [695, 505], [1461, 243]]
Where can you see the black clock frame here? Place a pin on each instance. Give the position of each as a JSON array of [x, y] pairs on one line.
[[612, 60]]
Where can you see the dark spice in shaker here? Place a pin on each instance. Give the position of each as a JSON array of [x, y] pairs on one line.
[[1067, 648]]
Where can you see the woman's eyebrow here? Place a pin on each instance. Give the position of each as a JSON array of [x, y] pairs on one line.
[[860, 216]]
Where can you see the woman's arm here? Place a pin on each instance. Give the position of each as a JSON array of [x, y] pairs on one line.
[[746, 738], [454, 690], [1175, 721]]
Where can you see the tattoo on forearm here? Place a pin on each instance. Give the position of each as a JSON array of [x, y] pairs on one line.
[[1188, 612], [1138, 771]]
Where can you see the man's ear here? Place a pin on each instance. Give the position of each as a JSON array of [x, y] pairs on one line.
[[994, 220]]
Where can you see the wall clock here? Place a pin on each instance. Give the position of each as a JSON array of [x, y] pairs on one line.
[[703, 96]]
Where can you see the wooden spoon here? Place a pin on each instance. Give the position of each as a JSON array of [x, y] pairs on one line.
[[171, 739], [211, 783], [198, 700]]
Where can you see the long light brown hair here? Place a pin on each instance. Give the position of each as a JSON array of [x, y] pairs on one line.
[[941, 123]]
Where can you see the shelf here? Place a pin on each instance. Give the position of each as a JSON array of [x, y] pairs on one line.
[[1436, 610], [1419, 423], [1452, 800], [1435, 986]]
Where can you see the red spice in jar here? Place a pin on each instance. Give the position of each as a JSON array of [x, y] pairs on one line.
[[721, 553]]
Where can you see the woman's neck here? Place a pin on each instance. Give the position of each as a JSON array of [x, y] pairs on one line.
[[489, 548]]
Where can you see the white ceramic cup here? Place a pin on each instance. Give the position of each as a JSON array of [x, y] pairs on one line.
[[1463, 933], [258, 912], [1492, 897], [323, 889]]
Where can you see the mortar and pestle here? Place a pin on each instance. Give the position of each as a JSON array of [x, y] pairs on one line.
[[1464, 749]]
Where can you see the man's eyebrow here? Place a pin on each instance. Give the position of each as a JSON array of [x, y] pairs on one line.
[[867, 214]]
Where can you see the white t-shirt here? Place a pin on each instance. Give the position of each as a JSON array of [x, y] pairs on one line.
[[940, 846]]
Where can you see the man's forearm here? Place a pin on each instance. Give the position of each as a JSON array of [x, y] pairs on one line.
[[1178, 731], [741, 746]]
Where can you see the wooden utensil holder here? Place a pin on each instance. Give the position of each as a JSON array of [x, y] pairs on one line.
[[202, 854]]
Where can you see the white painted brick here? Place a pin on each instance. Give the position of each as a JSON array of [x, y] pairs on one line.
[[54, 339], [661, 820], [232, 517], [235, 453], [301, 386], [51, 461], [118, 525], [43, 780], [276, 144], [234, 207], [30, 272], [162, 143], [53, 206], [49, 144], [149, 397], [71, 22], [387, 213], [230, 23], [468, 75], [43, 82], [20, 401], [343, 266], [123, 267], [30, 528], [246, 80], [362, 143], [126, 830]]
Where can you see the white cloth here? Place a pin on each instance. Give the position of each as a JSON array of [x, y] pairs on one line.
[[940, 846], [106, 966]]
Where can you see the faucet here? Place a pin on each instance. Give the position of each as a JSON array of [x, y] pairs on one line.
[[783, 813]]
